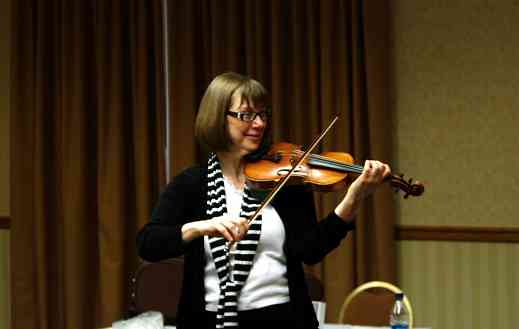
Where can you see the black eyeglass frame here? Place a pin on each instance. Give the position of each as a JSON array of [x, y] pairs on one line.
[[264, 115]]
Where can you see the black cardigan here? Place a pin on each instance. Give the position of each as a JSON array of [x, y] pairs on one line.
[[184, 200]]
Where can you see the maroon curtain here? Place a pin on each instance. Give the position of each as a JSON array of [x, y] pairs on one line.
[[87, 155]]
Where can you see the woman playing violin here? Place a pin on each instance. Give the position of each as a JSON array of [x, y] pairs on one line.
[[257, 279]]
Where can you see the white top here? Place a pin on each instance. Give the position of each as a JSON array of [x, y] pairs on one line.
[[267, 283]]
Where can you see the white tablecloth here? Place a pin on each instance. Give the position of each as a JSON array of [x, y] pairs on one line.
[[325, 326], [154, 320]]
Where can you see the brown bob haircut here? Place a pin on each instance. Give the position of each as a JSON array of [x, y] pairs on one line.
[[211, 124]]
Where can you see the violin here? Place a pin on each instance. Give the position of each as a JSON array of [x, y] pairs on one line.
[[328, 171]]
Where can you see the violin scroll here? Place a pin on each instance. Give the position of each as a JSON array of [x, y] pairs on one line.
[[410, 188]]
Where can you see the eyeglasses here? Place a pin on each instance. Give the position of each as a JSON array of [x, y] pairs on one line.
[[249, 116]]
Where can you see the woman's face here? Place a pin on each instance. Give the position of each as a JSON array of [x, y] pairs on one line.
[[246, 134]]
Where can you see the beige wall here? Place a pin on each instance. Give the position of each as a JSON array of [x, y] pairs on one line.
[[456, 97], [456, 80], [4, 162]]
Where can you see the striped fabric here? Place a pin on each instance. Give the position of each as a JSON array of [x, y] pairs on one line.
[[233, 266]]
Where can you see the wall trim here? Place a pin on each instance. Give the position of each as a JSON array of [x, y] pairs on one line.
[[425, 233], [457, 233], [5, 222]]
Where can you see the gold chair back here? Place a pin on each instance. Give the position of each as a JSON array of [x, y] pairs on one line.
[[367, 299]]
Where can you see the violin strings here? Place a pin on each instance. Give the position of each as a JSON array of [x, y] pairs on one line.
[[333, 161], [329, 161], [337, 165]]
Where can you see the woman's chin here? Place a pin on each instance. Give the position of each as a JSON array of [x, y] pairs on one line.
[[249, 148]]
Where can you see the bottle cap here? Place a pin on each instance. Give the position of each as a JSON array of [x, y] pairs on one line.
[[399, 296]]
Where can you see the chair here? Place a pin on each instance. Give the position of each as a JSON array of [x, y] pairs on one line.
[[156, 287], [315, 286], [371, 303]]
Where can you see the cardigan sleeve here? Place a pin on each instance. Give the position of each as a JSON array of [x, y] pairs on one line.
[[161, 237], [310, 240]]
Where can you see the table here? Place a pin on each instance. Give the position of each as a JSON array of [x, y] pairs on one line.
[[325, 326]]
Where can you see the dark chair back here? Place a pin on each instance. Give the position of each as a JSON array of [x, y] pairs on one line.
[[156, 287], [315, 286]]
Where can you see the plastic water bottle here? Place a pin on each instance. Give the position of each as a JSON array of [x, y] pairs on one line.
[[399, 318]]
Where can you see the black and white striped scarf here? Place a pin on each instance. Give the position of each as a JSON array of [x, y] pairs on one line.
[[231, 280]]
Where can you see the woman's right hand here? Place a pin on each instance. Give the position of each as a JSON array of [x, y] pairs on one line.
[[232, 229]]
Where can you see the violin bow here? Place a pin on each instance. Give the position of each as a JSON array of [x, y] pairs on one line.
[[284, 179]]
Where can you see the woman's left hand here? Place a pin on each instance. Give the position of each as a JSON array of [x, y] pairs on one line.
[[372, 176]]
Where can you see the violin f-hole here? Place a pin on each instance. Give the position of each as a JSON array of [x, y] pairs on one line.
[[284, 171]]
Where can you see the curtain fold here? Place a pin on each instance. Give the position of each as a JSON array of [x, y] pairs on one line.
[[87, 155], [318, 59]]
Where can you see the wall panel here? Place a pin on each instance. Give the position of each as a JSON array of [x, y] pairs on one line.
[[461, 284]]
